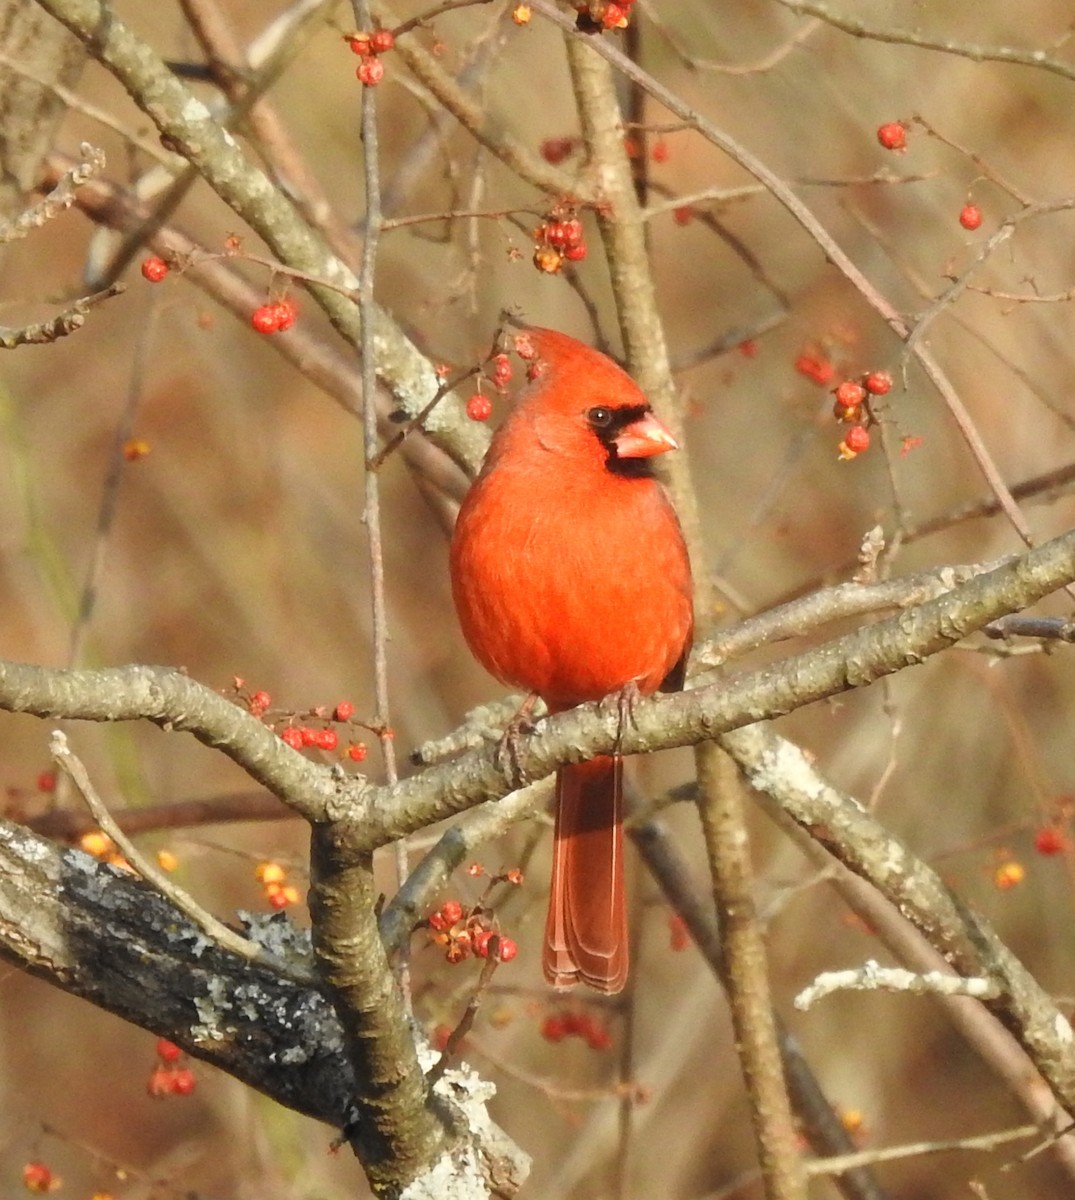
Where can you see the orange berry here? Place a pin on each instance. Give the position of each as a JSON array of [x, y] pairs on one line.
[[166, 860], [269, 872], [1008, 875], [548, 260]]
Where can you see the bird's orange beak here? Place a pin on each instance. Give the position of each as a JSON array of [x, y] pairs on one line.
[[643, 438]]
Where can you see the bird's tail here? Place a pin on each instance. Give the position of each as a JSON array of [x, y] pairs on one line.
[[586, 930]]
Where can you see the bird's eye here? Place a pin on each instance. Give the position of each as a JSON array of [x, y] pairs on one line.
[[599, 417]]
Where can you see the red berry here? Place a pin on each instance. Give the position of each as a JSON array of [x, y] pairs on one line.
[[857, 439], [508, 949], [46, 781], [683, 214], [572, 231], [615, 16], [451, 911], [501, 370], [892, 136], [286, 312], [183, 1081], [597, 1036], [154, 269], [382, 40], [159, 1082], [344, 711], [481, 942], [555, 150], [309, 736], [36, 1177], [167, 1051], [437, 921], [970, 216], [292, 736], [814, 367], [850, 394], [359, 43], [659, 153], [1050, 840], [877, 383], [524, 347], [356, 752], [479, 407], [553, 232], [370, 71], [265, 319], [327, 739], [554, 1029], [259, 702], [575, 252]]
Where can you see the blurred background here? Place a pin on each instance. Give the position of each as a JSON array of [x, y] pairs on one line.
[[238, 549]]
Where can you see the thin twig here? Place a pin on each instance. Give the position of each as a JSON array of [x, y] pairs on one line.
[[72, 766]]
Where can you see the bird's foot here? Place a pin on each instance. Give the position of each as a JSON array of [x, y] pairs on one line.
[[507, 749], [625, 700]]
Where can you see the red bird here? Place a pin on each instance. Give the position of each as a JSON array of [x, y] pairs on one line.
[[571, 580]]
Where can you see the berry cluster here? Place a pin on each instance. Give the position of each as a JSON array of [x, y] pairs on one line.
[[170, 1076], [498, 372], [274, 317], [592, 1030], [305, 737], [558, 238], [852, 408], [603, 14], [273, 878], [463, 932], [369, 47]]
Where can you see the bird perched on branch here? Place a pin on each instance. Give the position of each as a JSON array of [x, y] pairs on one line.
[[572, 582]]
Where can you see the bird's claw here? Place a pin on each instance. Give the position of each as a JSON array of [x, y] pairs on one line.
[[625, 700], [507, 751]]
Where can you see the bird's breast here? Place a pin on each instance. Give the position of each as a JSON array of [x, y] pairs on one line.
[[571, 591]]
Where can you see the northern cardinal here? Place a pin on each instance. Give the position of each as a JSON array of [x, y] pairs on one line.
[[571, 580]]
